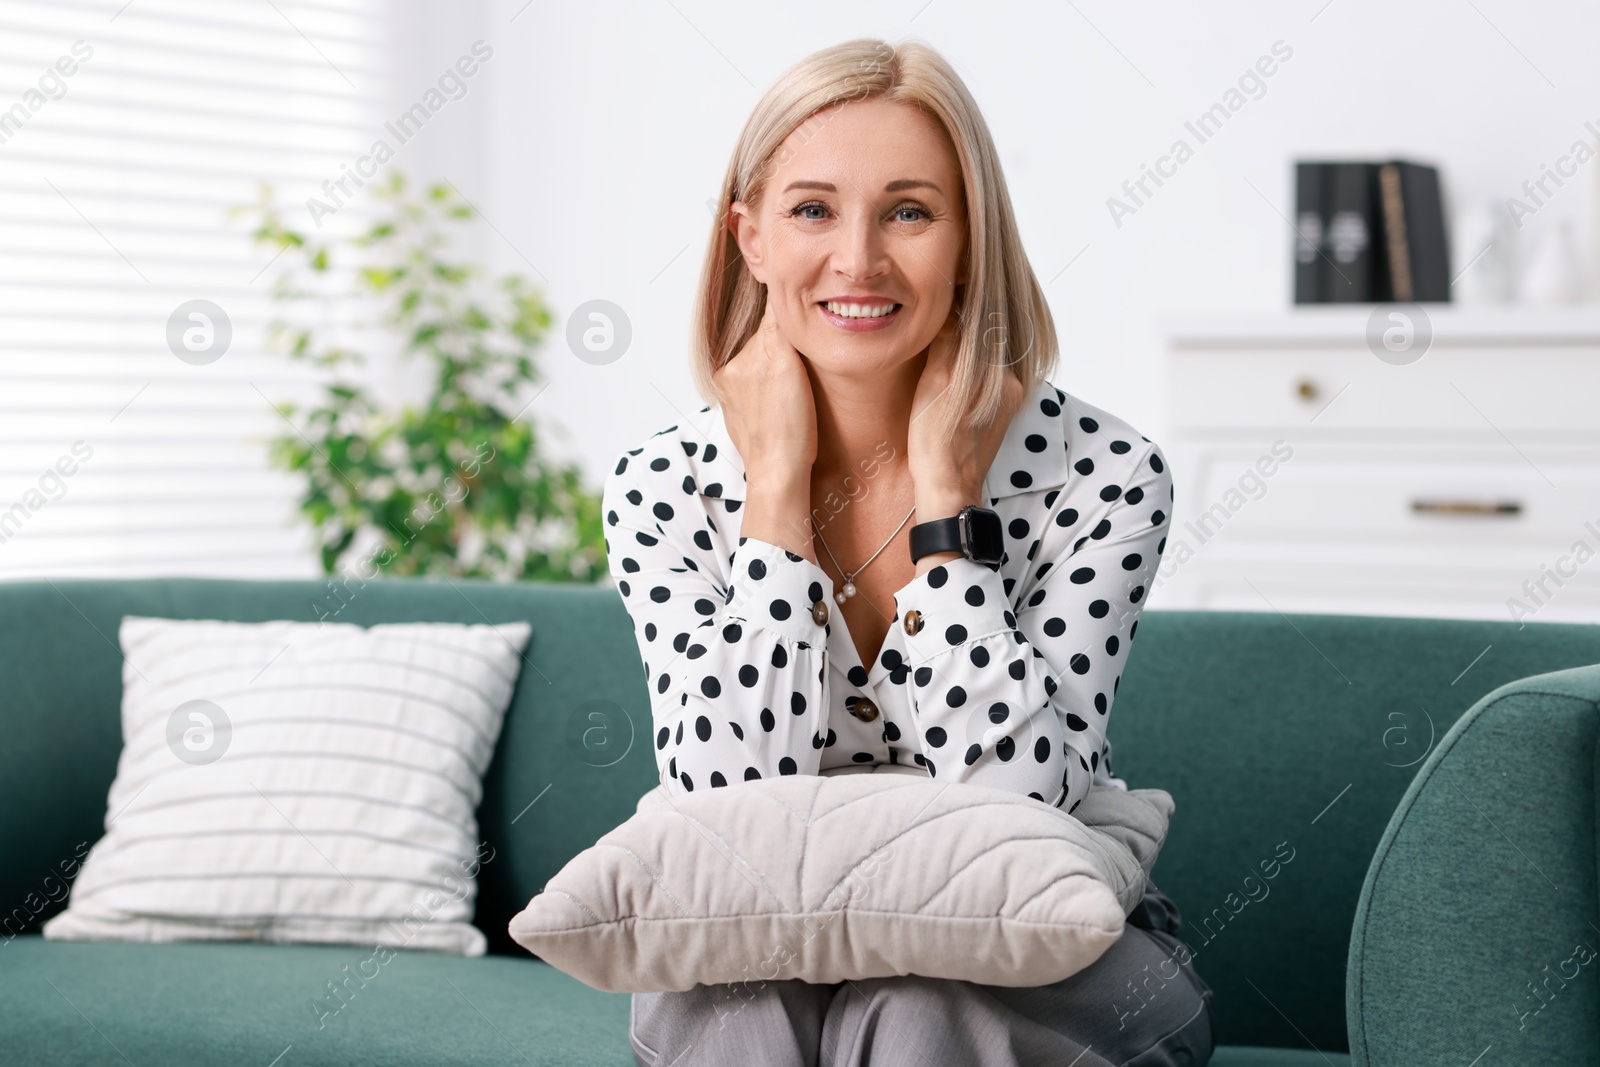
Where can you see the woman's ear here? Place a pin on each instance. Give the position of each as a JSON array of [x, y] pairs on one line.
[[743, 229]]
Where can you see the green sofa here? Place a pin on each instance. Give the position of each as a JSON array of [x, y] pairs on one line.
[[1421, 792]]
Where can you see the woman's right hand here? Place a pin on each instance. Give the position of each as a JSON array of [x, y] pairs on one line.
[[769, 410]]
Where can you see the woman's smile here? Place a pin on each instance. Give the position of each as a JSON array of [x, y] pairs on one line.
[[854, 317]]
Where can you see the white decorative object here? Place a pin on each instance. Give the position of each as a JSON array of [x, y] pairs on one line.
[[845, 877], [288, 781], [1555, 272], [1483, 255]]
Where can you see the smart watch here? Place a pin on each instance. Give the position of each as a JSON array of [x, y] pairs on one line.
[[973, 531]]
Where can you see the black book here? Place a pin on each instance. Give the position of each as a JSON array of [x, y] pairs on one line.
[[1348, 272], [1311, 228], [1411, 234]]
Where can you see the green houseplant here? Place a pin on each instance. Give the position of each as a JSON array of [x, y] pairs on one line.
[[456, 485]]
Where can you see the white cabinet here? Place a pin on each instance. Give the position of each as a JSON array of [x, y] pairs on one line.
[[1312, 475]]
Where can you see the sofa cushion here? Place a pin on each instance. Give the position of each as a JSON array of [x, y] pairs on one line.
[[183, 1004], [834, 878], [298, 781], [186, 1003]]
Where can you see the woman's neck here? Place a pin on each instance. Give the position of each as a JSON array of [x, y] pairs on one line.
[[862, 418]]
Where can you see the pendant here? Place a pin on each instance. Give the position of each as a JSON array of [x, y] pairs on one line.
[[849, 590]]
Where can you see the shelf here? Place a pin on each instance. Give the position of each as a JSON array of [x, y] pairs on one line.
[[1344, 325]]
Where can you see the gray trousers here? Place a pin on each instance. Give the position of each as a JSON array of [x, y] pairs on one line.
[[1141, 1004]]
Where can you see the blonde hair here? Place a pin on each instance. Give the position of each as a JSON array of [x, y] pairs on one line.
[[1006, 324]]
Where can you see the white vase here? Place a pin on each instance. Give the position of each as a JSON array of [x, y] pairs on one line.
[[1555, 272], [1482, 255]]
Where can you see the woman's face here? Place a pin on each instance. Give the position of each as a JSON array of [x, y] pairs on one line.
[[864, 211]]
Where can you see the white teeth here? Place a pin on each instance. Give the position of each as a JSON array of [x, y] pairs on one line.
[[859, 311]]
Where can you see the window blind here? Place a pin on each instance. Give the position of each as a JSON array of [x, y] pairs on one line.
[[127, 130]]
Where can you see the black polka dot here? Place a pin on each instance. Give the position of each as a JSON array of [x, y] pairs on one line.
[[787, 766], [974, 595], [955, 634], [935, 736], [937, 576], [749, 676]]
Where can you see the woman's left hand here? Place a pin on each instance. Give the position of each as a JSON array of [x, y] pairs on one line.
[[948, 471]]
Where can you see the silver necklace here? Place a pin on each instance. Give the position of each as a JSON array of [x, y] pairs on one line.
[[849, 589]]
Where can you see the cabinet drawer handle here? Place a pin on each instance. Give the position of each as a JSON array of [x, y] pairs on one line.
[[1466, 507]]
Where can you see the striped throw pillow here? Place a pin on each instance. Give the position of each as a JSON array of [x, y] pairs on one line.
[[288, 781]]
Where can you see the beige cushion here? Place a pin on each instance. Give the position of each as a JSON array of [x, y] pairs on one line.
[[850, 876]]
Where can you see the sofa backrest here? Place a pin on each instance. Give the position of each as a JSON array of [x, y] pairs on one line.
[[1285, 740]]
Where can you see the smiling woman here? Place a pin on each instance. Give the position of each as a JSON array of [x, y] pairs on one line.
[[865, 294]]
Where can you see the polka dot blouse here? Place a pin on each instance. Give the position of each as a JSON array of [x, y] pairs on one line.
[[1009, 680]]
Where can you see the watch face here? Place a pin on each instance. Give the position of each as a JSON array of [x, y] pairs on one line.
[[982, 536]]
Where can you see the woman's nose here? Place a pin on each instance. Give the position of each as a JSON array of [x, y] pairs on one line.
[[862, 250]]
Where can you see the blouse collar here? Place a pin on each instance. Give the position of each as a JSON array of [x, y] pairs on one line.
[[1032, 455]]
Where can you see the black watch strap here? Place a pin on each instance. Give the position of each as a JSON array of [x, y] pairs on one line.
[[936, 535]]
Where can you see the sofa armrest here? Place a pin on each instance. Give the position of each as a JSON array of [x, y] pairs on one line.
[[1476, 926]]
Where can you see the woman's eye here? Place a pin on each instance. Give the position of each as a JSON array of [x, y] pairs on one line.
[[919, 214]]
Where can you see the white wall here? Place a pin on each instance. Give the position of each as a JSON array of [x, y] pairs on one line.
[[608, 127]]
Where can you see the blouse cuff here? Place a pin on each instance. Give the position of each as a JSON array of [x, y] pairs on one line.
[[953, 603], [780, 591]]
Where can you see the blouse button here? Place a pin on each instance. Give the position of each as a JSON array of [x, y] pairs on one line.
[[819, 612], [864, 709], [913, 623]]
